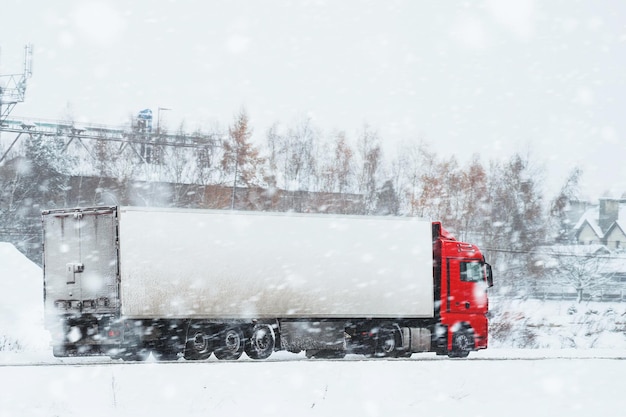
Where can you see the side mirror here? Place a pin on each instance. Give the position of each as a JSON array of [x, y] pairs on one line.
[[489, 275]]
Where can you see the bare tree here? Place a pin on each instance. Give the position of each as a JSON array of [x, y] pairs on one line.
[[292, 155], [474, 208], [275, 159], [336, 170], [336, 174], [582, 267], [293, 161], [516, 220], [369, 167], [414, 161], [207, 155], [179, 166], [241, 159]]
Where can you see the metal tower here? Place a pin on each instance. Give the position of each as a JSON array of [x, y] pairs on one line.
[[13, 86]]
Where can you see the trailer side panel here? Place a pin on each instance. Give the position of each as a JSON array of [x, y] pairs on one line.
[[231, 265]]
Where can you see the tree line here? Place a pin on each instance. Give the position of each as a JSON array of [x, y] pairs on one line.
[[497, 204]]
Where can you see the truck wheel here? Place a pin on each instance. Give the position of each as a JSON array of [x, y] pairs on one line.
[[198, 345], [261, 343], [387, 343], [230, 344], [462, 344]]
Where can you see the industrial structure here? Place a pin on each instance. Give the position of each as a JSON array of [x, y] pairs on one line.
[[13, 86]]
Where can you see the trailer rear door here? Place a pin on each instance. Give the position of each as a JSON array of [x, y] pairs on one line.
[[80, 260]]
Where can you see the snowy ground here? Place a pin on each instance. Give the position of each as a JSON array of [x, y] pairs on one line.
[[573, 365], [423, 385]]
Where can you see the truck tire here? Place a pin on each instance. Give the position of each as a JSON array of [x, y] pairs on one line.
[[230, 344], [261, 343], [199, 345], [462, 344], [387, 342]]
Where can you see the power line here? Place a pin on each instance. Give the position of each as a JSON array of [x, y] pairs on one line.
[[536, 252]]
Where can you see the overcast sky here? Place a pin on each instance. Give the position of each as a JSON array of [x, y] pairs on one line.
[[488, 77]]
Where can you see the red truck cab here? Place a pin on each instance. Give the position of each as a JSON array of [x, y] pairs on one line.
[[461, 280]]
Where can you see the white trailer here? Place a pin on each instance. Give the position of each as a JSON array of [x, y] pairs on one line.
[[125, 281]]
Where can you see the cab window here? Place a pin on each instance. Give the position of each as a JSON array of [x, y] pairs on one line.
[[472, 272]]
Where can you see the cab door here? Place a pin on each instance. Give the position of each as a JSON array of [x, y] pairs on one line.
[[467, 287]]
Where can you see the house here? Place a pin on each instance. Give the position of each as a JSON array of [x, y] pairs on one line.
[[594, 262], [603, 224]]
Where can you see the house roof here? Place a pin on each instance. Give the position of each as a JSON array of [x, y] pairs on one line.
[[593, 225], [590, 215], [620, 224], [591, 218]]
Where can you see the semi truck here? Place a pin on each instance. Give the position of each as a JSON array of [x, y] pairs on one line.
[[129, 282]]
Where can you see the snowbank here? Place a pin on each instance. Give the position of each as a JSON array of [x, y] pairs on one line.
[[21, 302], [537, 324]]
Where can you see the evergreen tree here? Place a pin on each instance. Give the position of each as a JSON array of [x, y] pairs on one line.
[[559, 220], [387, 202]]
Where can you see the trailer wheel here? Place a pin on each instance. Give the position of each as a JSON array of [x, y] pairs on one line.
[[230, 344], [199, 346], [261, 343], [462, 344]]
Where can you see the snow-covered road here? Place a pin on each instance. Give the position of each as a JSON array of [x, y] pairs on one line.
[[538, 383]]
